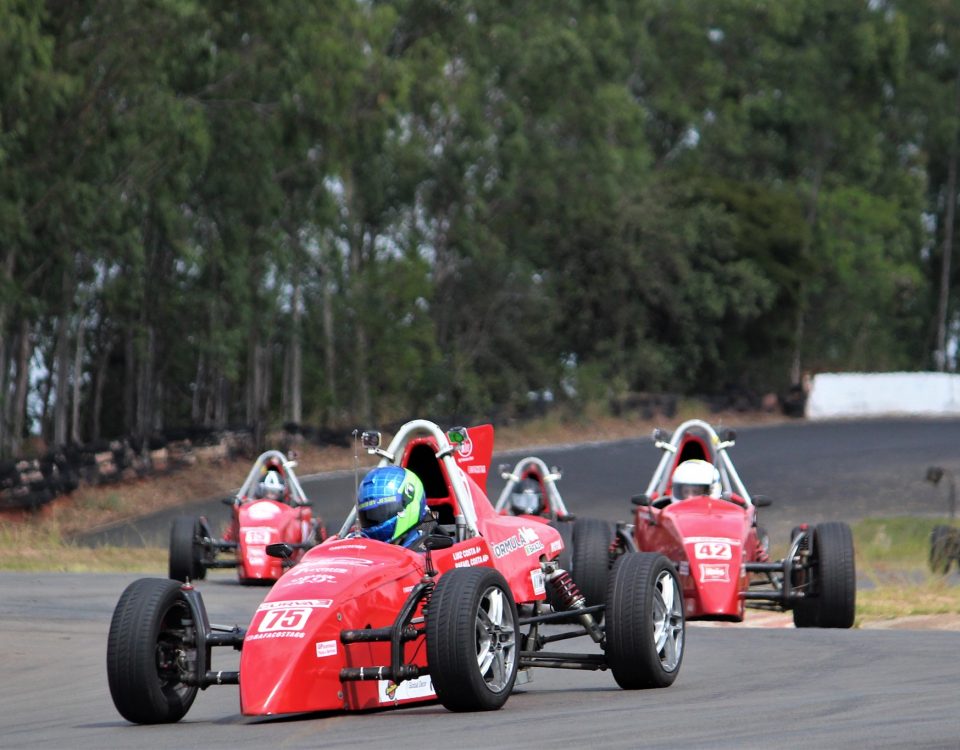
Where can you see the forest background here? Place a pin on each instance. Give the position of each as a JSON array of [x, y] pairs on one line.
[[349, 211]]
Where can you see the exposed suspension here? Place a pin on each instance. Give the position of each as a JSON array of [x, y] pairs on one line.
[[568, 594]]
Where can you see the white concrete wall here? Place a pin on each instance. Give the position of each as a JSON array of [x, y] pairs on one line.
[[864, 394]]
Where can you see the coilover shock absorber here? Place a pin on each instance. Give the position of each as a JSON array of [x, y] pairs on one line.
[[567, 591], [568, 594]]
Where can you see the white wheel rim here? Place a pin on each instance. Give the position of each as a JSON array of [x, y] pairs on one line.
[[496, 639], [668, 621]]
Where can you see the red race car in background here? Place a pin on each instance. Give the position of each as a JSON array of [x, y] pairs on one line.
[[269, 507], [721, 553], [361, 623], [531, 492]]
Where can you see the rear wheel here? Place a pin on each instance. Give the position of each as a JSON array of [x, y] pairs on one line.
[[472, 639], [940, 539], [146, 649], [832, 602], [645, 621], [186, 549], [591, 558]]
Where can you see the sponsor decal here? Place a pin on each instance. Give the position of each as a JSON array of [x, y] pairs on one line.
[[715, 550], [556, 545], [262, 511], [724, 539], [335, 564], [714, 573], [273, 634], [466, 447], [287, 616], [469, 556], [526, 538], [326, 648], [683, 568], [347, 546], [536, 578], [313, 578], [256, 534], [390, 691], [476, 469]]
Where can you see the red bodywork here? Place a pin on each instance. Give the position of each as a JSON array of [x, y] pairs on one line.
[[708, 539], [292, 654]]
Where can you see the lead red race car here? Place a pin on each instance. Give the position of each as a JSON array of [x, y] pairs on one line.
[[361, 623], [697, 512], [269, 507]]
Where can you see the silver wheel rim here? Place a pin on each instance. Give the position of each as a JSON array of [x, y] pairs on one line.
[[496, 639], [668, 621]]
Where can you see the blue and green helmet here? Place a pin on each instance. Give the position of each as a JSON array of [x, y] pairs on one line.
[[390, 502]]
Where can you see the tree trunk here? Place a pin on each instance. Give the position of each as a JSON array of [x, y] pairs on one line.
[[61, 362], [329, 344], [944, 297], [129, 381], [198, 387], [77, 379], [23, 381], [100, 379], [796, 364], [296, 359]]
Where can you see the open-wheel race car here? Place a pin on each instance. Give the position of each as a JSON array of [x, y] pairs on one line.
[[697, 512], [361, 623], [531, 492], [269, 507]]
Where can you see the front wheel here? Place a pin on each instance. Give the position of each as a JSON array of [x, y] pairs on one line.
[[591, 558], [831, 601], [147, 648], [186, 549], [472, 639], [645, 621]]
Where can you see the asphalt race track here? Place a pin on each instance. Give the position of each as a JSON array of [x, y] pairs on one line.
[[740, 687]]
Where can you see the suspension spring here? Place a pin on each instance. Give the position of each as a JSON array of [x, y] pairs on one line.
[[567, 591]]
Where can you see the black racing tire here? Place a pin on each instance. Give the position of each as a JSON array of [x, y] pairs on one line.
[[833, 591], [833, 547], [804, 610], [146, 633], [591, 558], [473, 640], [646, 627], [940, 543], [565, 529], [186, 549]]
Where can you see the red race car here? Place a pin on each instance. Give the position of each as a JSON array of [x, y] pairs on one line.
[[270, 507], [531, 492], [697, 512], [361, 623]]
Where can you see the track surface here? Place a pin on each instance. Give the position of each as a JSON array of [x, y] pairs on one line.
[[739, 687]]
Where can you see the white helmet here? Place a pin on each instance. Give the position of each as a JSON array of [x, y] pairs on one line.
[[271, 487], [694, 478]]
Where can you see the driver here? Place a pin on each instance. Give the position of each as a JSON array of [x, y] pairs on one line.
[[526, 498], [271, 486], [695, 478], [392, 507]]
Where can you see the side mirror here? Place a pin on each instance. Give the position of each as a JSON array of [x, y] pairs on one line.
[[230, 500], [436, 541], [370, 439], [280, 549], [658, 435], [457, 435], [641, 501], [762, 501], [729, 435]]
